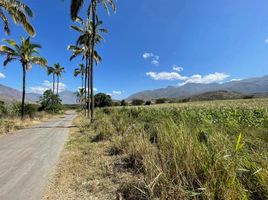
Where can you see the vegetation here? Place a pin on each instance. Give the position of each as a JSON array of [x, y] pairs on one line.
[[58, 72], [160, 101], [26, 52], [19, 13], [50, 102], [103, 100], [201, 150], [137, 102]]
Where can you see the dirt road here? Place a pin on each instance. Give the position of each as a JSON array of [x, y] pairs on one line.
[[29, 156]]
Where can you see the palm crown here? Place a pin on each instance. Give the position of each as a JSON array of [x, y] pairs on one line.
[[19, 12]]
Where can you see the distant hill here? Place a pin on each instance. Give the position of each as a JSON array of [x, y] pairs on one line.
[[13, 95], [218, 95], [247, 86]]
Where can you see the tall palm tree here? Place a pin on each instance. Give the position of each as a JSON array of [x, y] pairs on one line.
[[58, 72], [27, 53], [82, 47], [76, 6], [19, 12], [51, 70], [81, 70]]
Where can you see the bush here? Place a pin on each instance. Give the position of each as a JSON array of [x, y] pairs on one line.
[[50, 102], [103, 100], [160, 101], [137, 102], [3, 109], [123, 103], [29, 109], [147, 103]]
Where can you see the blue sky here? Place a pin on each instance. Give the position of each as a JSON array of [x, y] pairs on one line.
[[153, 44]]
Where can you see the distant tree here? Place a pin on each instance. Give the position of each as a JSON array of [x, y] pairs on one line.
[[50, 102], [26, 52], [103, 100], [58, 72], [147, 103], [116, 103], [19, 12], [123, 103], [160, 101], [137, 102]]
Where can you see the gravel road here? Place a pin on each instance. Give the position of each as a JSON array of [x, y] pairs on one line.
[[28, 157]]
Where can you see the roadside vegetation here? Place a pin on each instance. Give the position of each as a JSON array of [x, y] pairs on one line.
[[200, 150]]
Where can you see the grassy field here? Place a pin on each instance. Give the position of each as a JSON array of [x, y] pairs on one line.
[[201, 150]]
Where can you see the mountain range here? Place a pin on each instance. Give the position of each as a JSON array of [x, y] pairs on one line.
[[257, 85], [12, 95]]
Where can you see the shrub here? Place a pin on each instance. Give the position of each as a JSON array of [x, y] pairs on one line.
[[123, 103], [160, 101], [103, 100], [50, 102], [147, 103], [137, 102]]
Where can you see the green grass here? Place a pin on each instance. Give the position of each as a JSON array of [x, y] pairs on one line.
[[201, 150]]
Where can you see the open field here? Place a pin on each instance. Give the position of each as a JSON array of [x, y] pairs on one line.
[[201, 150]]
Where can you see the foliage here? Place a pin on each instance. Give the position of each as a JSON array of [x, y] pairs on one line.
[[123, 103], [147, 103], [137, 102], [50, 102], [103, 100], [160, 101], [208, 150]]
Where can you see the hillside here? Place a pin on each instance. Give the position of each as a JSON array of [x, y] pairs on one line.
[[247, 86], [13, 95]]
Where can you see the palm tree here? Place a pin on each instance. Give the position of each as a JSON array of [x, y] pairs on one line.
[[58, 72], [81, 70], [19, 12], [76, 6], [82, 47], [27, 53], [51, 70]]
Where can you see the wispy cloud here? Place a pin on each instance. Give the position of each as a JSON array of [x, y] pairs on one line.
[[235, 79], [154, 58], [2, 75], [117, 93], [177, 68], [46, 85], [166, 76]]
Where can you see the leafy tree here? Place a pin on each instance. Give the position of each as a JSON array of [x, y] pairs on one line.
[[19, 12], [50, 102], [123, 103], [58, 72], [160, 101], [137, 102], [147, 103], [26, 52], [103, 100]]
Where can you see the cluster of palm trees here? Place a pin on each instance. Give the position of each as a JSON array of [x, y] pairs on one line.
[[89, 29]]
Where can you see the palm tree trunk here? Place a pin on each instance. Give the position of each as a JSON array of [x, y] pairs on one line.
[[94, 10], [85, 87], [58, 85], [53, 83], [88, 89], [23, 91]]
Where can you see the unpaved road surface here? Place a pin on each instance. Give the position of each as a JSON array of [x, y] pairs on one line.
[[28, 157]]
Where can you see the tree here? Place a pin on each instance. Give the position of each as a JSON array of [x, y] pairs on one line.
[[76, 6], [82, 48], [80, 71], [51, 70], [160, 101], [19, 12], [147, 103], [26, 52], [103, 100], [123, 103], [50, 102], [137, 102], [58, 72]]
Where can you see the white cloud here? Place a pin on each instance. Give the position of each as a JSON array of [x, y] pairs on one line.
[[166, 76], [2, 76], [46, 85], [154, 58], [210, 78], [177, 68], [117, 92], [236, 79]]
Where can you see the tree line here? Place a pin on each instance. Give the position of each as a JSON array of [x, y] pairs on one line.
[[89, 31]]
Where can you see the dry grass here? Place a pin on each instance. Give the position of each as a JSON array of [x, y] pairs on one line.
[[11, 124], [86, 168]]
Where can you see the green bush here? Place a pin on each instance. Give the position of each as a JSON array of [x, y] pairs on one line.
[[50, 102], [137, 102]]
